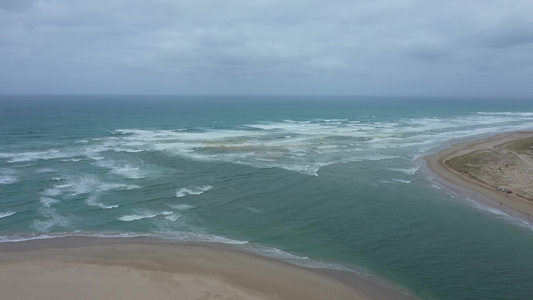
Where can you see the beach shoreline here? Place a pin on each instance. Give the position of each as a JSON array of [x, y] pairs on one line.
[[473, 189], [133, 268]]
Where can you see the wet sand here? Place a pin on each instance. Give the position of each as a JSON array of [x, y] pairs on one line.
[[99, 268], [477, 189]]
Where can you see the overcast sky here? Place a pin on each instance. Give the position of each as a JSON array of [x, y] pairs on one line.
[[338, 47]]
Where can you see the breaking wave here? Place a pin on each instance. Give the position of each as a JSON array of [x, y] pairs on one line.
[[143, 215], [6, 214], [192, 191]]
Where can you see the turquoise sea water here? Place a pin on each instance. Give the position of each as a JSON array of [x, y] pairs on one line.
[[318, 181]]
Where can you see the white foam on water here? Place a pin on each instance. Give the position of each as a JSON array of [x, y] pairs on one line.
[[83, 185], [87, 184], [45, 170], [93, 201], [7, 176], [197, 237], [172, 217], [52, 192], [274, 253], [127, 171], [401, 180], [410, 171], [520, 114], [42, 155], [7, 179], [50, 218], [254, 210], [303, 146], [386, 181], [180, 206], [128, 150], [62, 186], [143, 215], [192, 191], [72, 159], [47, 202], [500, 214], [436, 186], [6, 214]]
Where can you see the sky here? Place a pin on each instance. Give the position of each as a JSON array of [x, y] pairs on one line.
[[465, 48]]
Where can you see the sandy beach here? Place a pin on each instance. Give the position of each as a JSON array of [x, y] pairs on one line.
[[484, 165], [100, 269]]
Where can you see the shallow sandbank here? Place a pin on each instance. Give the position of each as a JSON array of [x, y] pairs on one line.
[[107, 269], [503, 201]]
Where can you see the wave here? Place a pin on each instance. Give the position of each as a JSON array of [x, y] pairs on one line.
[[192, 191], [47, 202], [173, 236], [50, 218], [144, 215], [401, 180], [520, 114], [410, 171], [261, 250], [303, 146], [93, 201], [83, 185], [7, 176], [499, 213], [45, 170], [72, 159], [87, 184], [306, 146], [172, 217], [121, 168], [6, 214], [180, 206]]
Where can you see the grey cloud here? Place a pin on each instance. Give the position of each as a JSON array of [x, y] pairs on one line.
[[15, 5], [212, 46], [510, 33]]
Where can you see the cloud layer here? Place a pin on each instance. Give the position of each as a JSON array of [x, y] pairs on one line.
[[465, 48]]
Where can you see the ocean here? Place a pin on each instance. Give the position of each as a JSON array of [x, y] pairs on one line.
[[322, 182]]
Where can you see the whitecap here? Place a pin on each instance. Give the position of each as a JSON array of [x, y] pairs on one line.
[[52, 192], [47, 202], [7, 179], [305, 146], [91, 184], [254, 210], [172, 217], [436, 186], [180, 206], [410, 171], [401, 180], [93, 201], [122, 168], [143, 215], [7, 176], [192, 191], [6, 214], [72, 159], [49, 219], [62, 186], [43, 155], [45, 170]]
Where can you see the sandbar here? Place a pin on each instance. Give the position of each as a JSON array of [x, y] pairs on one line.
[[106, 269], [486, 165]]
